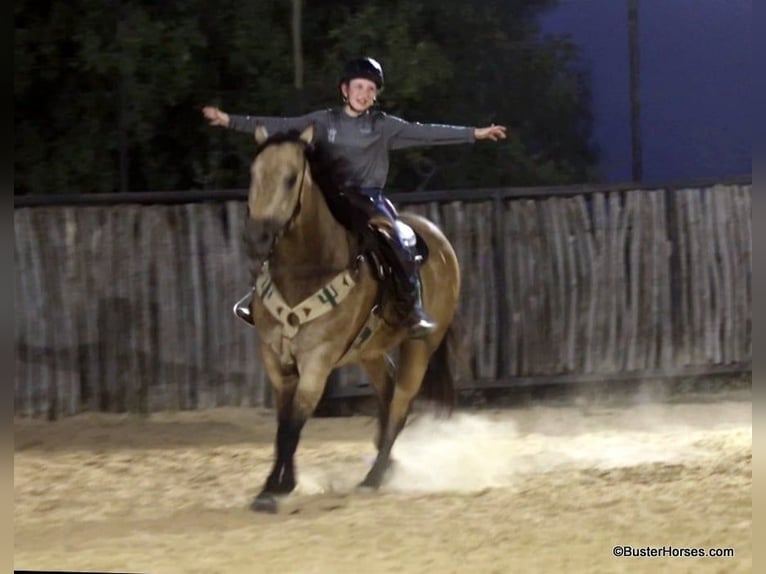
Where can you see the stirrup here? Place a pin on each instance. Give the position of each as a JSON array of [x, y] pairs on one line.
[[242, 309]]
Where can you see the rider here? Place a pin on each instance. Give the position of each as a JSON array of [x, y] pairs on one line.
[[363, 135]]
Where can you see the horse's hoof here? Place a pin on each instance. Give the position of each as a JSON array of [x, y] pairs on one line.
[[368, 486], [365, 489], [264, 502]]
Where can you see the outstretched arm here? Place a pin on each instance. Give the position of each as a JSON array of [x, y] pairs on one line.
[[403, 134], [247, 124]]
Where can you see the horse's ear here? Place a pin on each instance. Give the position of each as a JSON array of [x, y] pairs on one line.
[[261, 135], [307, 135]]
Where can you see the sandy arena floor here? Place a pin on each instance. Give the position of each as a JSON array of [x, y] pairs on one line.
[[542, 489]]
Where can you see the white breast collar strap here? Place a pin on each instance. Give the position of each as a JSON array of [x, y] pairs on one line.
[[316, 305]]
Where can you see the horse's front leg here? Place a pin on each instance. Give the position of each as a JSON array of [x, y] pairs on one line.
[[281, 480], [297, 392]]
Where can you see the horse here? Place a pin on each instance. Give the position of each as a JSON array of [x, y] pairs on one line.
[[317, 303]]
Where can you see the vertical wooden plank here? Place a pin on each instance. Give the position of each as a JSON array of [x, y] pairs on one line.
[[90, 255], [148, 342], [25, 379], [501, 319], [130, 277], [516, 274], [749, 259], [120, 325], [487, 344], [733, 317], [168, 392], [51, 238], [19, 324], [698, 278], [71, 287], [747, 238], [642, 304], [235, 268], [45, 399], [599, 312], [215, 307], [652, 330], [665, 304], [559, 296], [721, 215], [630, 333], [616, 289], [182, 284], [481, 294], [455, 222], [573, 286], [107, 303], [590, 271], [744, 235], [713, 335], [544, 355], [477, 303], [528, 329], [511, 252], [134, 279], [197, 296], [683, 354]]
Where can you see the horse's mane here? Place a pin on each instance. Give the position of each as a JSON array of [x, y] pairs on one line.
[[333, 176]]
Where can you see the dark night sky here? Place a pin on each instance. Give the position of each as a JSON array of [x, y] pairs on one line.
[[696, 89]]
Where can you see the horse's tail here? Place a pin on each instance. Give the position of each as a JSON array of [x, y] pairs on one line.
[[439, 382]]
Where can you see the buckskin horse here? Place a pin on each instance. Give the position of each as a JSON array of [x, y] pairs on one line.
[[317, 302]]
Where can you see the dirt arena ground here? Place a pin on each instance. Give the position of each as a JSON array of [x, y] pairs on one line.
[[538, 489]]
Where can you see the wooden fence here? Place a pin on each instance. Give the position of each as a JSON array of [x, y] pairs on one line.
[[128, 307]]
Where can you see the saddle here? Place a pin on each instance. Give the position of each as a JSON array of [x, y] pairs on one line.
[[377, 247], [394, 285]]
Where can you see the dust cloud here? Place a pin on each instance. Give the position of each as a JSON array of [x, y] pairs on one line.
[[471, 452]]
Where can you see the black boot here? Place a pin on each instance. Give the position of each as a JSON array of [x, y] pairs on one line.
[[242, 308], [419, 324]]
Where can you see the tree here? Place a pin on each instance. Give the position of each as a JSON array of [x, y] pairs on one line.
[[449, 61]]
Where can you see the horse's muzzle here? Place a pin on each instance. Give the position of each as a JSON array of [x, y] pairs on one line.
[[260, 237]]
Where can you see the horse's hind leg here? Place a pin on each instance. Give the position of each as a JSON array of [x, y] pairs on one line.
[[381, 373], [413, 362]]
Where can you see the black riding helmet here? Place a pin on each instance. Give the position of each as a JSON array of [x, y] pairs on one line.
[[366, 68]]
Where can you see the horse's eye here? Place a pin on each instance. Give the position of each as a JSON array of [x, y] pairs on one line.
[[290, 180]]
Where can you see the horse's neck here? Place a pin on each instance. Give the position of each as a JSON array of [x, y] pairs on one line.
[[315, 249]]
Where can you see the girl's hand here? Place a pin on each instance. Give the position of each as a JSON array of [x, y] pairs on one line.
[[492, 132], [215, 116]]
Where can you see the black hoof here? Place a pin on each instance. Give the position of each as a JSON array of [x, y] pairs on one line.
[[371, 483], [264, 502], [374, 479], [364, 488]]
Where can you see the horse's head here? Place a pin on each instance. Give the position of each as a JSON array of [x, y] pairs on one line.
[[278, 173]]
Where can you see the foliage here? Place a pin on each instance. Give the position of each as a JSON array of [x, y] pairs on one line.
[[93, 79]]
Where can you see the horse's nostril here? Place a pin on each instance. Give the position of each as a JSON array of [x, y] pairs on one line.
[[264, 237]]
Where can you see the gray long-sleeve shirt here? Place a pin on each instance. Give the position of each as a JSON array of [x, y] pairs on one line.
[[363, 140]]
